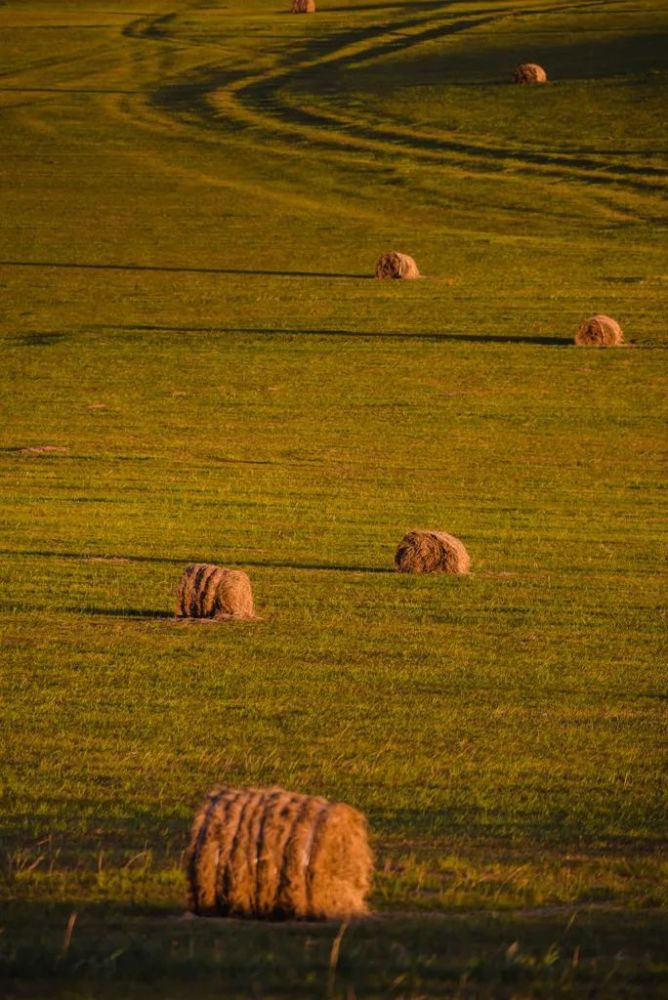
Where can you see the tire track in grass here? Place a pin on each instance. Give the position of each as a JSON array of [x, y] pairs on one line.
[[208, 98], [259, 101], [206, 105]]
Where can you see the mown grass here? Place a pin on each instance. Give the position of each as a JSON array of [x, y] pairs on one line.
[[196, 365]]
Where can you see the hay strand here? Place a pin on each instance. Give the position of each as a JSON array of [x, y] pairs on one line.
[[276, 854], [208, 591], [396, 265], [599, 331], [303, 6], [431, 552], [529, 73]]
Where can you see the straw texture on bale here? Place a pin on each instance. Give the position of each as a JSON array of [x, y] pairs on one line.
[[396, 265], [431, 552], [270, 853], [303, 6], [208, 591], [529, 73], [599, 331]]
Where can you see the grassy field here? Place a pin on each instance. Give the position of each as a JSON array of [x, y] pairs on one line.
[[197, 365]]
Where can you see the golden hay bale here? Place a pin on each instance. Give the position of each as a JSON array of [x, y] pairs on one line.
[[303, 6], [599, 331], [529, 73], [257, 852], [207, 591], [431, 552], [396, 265]]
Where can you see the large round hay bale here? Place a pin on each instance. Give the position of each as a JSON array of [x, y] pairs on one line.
[[270, 853], [529, 73], [431, 552], [303, 6], [396, 265], [208, 591], [599, 331]]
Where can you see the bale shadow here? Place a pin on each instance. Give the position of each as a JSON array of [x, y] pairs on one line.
[[66, 90], [137, 614], [175, 561], [425, 5], [146, 614], [470, 338], [174, 269], [88, 556], [35, 338], [327, 567]]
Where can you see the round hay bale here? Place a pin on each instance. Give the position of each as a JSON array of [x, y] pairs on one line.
[[529, 73], [208, 591], [269, 853], [396, 265], [599, 331], [431, 552], [303, 6]]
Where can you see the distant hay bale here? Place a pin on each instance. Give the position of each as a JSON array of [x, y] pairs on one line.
[[270, 853], [529, 73], [303, 6], [396, 265], [207, 591], [599, 331], [431, 552]]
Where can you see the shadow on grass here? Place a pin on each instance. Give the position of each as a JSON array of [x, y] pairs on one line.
[[45, 339], [173, 269], [424, 5], [233, 563], [39, 339], [66, 90], [467, 338], [137, 614], [326, 567], [140, 613], [122, 951]]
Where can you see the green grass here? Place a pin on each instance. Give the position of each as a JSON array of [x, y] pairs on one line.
[[195, 199]]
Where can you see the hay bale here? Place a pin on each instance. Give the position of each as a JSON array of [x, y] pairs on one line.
[[396, 265], [529, 73], [431, 552], [303, 6], [599, 331], [208, 591], [270, 853]]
